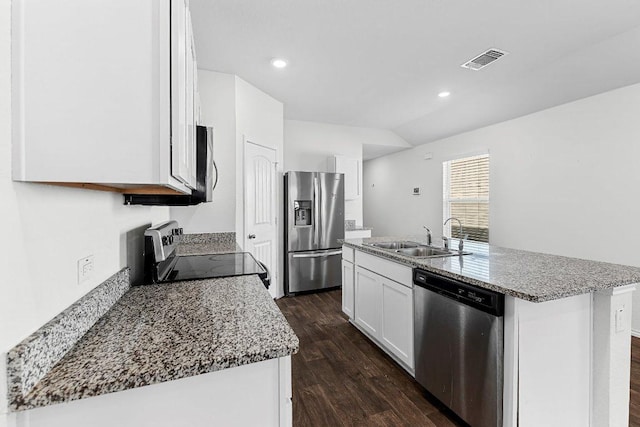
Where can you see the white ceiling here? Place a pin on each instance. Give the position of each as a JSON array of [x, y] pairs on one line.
[[381, 63]]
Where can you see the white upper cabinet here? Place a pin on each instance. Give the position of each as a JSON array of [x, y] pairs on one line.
[[183, 112], [351, 168], [104, 94]]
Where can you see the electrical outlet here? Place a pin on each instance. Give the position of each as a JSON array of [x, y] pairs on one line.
[[620, 320], [85, 269]]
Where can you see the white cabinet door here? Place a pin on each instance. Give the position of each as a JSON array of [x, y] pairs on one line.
[[348, 288], [103, 117], [182, 112], [368, 301], [350, 167], [397, 320], [383, 307], [192, 70]]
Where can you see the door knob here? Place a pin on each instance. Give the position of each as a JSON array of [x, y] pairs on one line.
[[251, 236]]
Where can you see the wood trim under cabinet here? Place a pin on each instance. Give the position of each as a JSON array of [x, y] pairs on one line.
[[134, 189]]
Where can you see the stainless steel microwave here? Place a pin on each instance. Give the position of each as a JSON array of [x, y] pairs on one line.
[[206, 178]]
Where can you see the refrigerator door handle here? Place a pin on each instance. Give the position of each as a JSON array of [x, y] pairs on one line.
[[316, 211], [318, 254]]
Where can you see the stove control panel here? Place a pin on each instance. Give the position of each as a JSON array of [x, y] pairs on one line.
[[163, 239]]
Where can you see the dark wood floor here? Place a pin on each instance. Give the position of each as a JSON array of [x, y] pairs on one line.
[[634, 405], [341, 379]]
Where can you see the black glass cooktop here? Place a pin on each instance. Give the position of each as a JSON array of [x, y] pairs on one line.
[[211, 266]]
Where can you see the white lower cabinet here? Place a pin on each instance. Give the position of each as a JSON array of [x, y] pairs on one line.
[[397, 320], [348, 289], [368, 301], [384, 311], [220, 398]]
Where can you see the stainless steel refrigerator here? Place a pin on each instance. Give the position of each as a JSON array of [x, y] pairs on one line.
[[314, 218]]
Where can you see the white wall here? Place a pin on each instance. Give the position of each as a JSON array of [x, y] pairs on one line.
[[49, 228], [218, 101], [259, 119], [308, 146], [563, 181], [46, 229], [238, 111]]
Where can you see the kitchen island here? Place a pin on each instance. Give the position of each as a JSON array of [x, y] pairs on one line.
[[185, 353], [566, 324]]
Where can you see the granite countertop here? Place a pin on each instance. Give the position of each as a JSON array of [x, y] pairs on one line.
[[158, 333], [207, 243], [357, 228], [206, 248], [526, 275]]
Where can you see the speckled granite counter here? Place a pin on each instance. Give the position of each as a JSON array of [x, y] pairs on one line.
[[358, 228], [208, 243], [527, 275], [350, 225], [164, 332], [207, 248]]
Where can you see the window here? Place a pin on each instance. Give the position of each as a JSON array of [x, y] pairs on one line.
[[466, 197]]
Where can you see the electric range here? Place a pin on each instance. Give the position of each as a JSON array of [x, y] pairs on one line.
[[162, 264]]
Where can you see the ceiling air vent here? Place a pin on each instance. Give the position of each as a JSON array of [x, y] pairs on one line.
[[484, 59]]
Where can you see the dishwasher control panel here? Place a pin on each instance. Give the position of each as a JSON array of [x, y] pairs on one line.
[[476, 296], [482, 299]]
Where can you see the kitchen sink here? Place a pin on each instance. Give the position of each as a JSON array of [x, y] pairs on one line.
[[417, 250], [425, 251], [394, 245]]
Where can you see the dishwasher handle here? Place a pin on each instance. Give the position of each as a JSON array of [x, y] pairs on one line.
[[482, 299]]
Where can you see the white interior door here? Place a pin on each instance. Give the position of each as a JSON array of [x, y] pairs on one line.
[[260, 207]]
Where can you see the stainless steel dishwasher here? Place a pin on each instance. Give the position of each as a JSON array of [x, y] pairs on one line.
[[459, 346]]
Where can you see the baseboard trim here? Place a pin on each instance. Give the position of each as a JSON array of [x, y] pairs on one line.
[[635, 333]]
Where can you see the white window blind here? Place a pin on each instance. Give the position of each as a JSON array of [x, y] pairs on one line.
[[466, 197]]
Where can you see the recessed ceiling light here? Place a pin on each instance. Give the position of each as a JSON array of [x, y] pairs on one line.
[[444, 94], [278, 63]]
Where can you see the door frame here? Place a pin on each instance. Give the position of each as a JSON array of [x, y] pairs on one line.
[[275, 275]]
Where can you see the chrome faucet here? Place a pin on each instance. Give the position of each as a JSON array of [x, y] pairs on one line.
[[428, 235], [462, 237]]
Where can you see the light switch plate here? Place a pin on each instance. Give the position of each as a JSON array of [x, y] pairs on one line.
[[85, 269]]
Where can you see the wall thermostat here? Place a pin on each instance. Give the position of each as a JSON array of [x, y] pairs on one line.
[[416, 191]]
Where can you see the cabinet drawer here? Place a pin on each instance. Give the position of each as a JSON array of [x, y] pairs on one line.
[[348, 253], [389, 269]]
